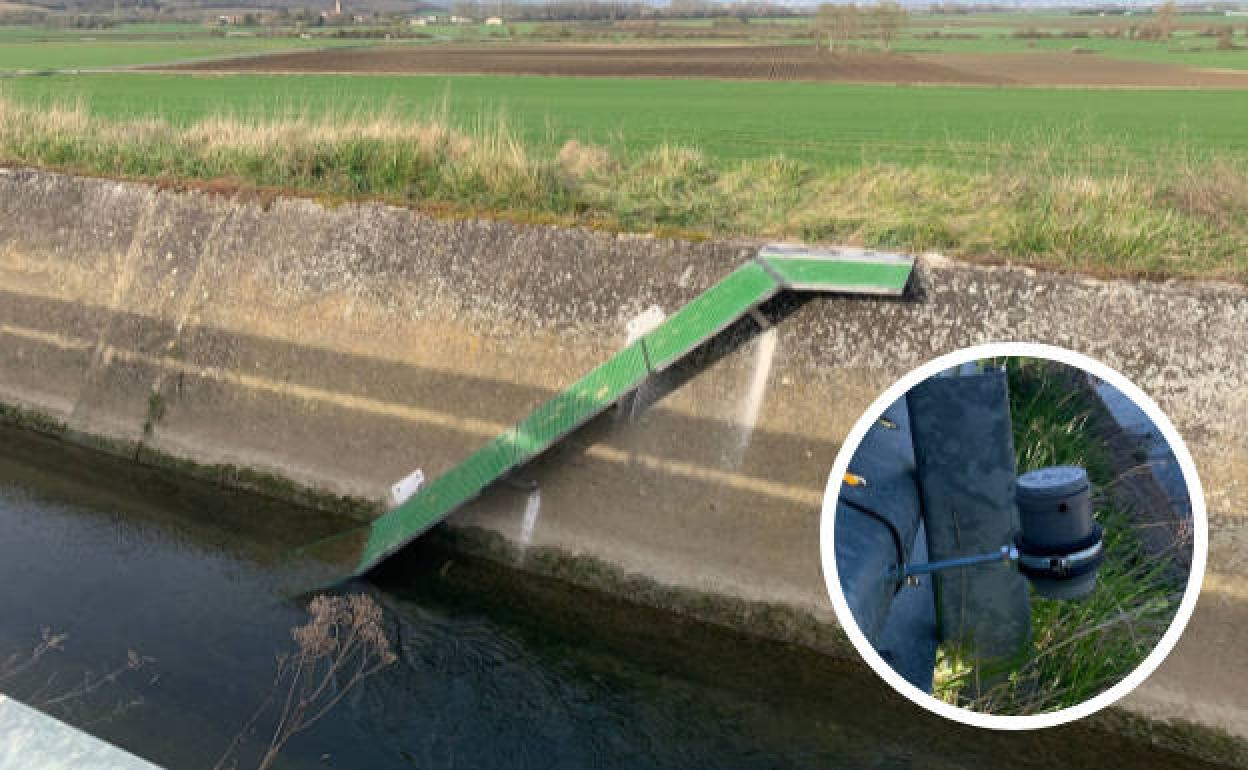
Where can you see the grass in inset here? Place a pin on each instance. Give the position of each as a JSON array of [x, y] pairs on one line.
[[1079, 648]]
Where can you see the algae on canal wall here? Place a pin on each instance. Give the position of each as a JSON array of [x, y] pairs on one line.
[[323, 353]]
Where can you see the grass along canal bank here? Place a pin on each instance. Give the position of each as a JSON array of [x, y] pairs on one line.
[[1097, 209]]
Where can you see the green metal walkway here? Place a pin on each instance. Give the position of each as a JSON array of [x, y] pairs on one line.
[[776, 269]]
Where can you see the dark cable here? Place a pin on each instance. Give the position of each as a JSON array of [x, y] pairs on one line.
[[892, 530]]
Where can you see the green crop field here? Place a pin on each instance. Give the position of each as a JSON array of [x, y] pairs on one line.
[[89, 49], [38, 48], [1113, 181], [1184, 49], [823, 124]]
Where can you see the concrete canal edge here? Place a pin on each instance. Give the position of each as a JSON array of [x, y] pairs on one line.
[[319, 354], [34, 741]]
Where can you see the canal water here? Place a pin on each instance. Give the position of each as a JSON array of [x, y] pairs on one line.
[[495, 669]]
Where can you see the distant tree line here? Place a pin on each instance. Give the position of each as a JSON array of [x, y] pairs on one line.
[[606, 10], [511, 10], [77, 19], [107, 6], [963, 9], [81, 21], [100, 14], [31, 17]]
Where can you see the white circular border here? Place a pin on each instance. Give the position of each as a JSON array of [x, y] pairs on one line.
[[1200, 535]]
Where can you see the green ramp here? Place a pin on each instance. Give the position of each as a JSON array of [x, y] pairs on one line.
[[776, 269]]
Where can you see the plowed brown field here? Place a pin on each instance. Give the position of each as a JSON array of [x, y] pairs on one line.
[[736, 62]]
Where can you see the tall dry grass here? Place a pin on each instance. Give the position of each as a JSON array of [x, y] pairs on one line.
[[1050, 206], [342, 644]]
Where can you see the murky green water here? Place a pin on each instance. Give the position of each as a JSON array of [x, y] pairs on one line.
[[496, 669]]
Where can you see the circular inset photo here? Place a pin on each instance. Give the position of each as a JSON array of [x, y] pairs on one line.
[[1014, 536]]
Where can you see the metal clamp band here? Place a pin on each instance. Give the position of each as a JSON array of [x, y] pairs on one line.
[[1062, 565]]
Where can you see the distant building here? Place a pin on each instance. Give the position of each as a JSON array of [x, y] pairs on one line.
[[418, 22], [494, 21], [462, 20], [334, 14]]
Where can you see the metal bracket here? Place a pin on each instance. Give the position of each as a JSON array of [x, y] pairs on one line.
[[1056, 565], [1006, 555]]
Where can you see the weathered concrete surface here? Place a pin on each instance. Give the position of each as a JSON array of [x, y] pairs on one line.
[[33, 741], [342, 347]]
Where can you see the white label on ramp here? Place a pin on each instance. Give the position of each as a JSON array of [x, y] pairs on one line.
[[644, 323], [403, 490]]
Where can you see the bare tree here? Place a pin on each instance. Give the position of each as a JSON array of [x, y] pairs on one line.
[[887, 19], [1166, 13], [341, 645], [838, 24]]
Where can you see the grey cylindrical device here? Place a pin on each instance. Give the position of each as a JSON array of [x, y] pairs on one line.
[[1060, 547]]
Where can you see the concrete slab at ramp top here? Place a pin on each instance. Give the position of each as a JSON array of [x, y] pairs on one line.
[[30, 740], [777, 268]]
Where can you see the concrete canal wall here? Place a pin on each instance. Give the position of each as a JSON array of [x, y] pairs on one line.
[[323, 352]]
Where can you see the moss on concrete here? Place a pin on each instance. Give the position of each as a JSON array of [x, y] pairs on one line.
[[257, 482], [31, 420], [1205, 743], [774, 621]]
